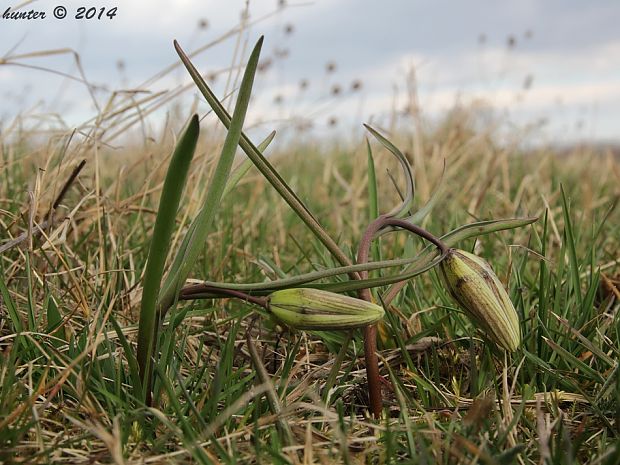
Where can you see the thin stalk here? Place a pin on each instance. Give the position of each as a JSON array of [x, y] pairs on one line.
[[370, 332], [260, 301], [295, 281]]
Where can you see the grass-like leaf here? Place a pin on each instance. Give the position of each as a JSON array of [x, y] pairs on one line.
[[244, 167], [132, 362], [402, 209], [571, 248], [10, 306], [417, 265], [202, 223], [264, 166], [373, 199], [423, 212], [160, 243]]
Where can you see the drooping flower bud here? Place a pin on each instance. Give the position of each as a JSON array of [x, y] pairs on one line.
[[474, 285], [314, 309]]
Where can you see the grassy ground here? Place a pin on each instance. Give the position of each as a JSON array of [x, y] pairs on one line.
[[70, 297]]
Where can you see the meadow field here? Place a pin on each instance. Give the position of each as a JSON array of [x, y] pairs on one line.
[[232, 385]]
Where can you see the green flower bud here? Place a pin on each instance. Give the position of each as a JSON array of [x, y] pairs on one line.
[[313, 309], [474, 285]]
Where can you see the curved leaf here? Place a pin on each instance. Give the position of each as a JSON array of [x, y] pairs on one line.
[[424, 261], [402, 209]]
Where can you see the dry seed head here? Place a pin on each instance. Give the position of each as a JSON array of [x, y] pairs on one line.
[[314, 309], [356, 85], [474, 285], [264, 65]]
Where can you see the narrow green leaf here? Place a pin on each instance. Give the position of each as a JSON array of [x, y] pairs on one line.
[[10, 306], [31, 304], [264, 166], [189, 437], [216, 187], [272, 396], [160, 243], [571, 247], [239, 172], [574, 362], [417, 265], [54, 320], [402, 209], [373, 200], [373, 203], [134, 369]]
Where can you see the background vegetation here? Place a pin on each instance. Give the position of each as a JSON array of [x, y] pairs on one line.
[[71, 266]]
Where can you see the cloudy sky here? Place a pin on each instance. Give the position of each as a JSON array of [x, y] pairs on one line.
[[553, 64]]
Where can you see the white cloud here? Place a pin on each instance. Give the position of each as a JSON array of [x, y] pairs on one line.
[[563, 78]]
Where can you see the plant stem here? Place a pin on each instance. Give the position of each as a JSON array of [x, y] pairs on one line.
[[370, 332], [187, 293]]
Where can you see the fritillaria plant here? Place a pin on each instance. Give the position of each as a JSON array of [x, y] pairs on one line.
[[293, 300]]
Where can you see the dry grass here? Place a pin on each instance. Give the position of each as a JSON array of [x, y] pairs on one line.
[[65, 392]]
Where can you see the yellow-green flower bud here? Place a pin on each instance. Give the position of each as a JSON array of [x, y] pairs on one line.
[[474, 285], [314, 309]]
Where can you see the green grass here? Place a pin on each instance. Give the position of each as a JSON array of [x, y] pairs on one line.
[[234, 388]]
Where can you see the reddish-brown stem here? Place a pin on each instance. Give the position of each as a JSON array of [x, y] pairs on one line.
[[187, 293], [370, 332]]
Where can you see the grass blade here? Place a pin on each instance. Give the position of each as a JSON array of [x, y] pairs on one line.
[[10, 306], [264, 166], [244, 167], [134, 370], [402, 209], [571, 248], [160, 243], [202, 223], [373, 200]]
